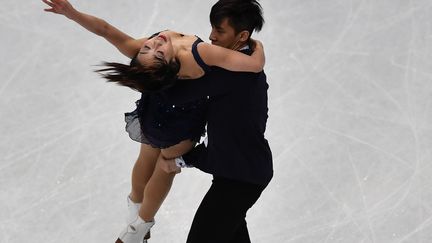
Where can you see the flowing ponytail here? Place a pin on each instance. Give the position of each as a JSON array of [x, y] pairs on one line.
[[157, 76]]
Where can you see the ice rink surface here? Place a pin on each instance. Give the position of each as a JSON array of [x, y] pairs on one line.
[[350, 123]]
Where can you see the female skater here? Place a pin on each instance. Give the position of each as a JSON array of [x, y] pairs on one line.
[[169, 131]]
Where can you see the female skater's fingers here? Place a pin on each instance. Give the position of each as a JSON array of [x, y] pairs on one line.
[[56, 3], [169, 166], [175, 169], [59, 3], [48, 3], [52, 10]]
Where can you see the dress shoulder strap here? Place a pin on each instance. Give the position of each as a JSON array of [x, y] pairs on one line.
[[197, 57]]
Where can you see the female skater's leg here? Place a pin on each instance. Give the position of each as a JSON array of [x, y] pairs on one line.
[[154, 189], [160, 182], [142, 171], [137, 229]]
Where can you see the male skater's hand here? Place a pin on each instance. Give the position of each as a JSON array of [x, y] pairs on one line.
[[169, 165]]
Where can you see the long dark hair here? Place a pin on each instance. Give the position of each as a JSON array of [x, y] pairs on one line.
[[142, 77]]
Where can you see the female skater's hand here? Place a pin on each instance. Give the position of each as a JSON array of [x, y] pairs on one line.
[[258, 50], [62, 7], [256, 44]]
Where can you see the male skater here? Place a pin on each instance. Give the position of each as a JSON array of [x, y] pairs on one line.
[[237, 154]]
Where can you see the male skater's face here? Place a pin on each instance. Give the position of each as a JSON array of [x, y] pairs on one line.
[[224, 35]]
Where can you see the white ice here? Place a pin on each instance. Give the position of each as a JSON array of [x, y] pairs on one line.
[[350, 123]]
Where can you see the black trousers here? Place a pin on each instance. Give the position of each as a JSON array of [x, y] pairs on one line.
[[221, 216]]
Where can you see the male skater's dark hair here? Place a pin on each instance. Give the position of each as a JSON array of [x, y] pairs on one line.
[[157, 76], [241, 14]]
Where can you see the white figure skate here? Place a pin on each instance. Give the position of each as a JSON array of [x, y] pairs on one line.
[[135, 231], [133, 212]]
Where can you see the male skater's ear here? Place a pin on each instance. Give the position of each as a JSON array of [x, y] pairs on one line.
[[244, 36]]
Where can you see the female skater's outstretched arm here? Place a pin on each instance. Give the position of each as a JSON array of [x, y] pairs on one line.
[[123, 42]]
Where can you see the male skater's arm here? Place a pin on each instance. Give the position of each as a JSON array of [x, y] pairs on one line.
[[218, 81], [197, 157]]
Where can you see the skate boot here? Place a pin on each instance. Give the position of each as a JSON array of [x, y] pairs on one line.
[[135, 231], [133, 212]]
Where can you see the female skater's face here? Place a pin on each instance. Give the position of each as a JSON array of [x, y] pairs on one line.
[[159, 47]]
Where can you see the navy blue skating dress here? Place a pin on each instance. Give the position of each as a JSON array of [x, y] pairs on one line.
[[160, 123]]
